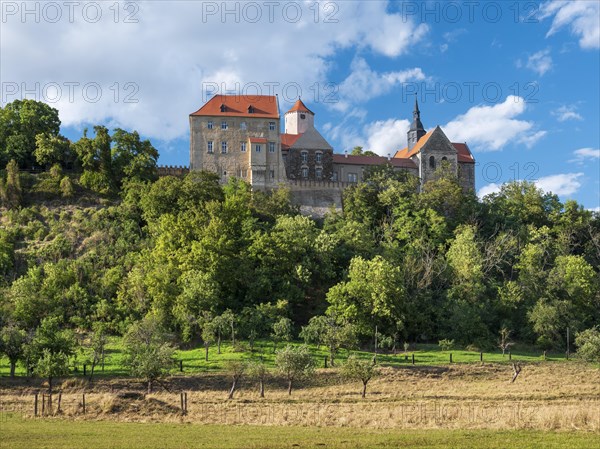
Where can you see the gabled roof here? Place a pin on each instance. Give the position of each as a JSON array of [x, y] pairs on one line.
[[464, 154], [259, 106], [462, 150], [311, 139], [372, 160], [300, 107], [406, 153], [288, 140]]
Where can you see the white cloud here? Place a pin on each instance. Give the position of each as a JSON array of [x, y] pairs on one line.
[[584, 154], [582, 17], [173, 50], [490, 188], [540, 62], [595, 209], [564, 184], [364, 84], [385, 137], [565, 113], [489, 128]]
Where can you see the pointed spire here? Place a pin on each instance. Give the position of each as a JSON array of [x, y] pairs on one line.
[[416, 130]]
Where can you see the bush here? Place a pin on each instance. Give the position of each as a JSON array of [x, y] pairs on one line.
[[588, 344], [446, 344]]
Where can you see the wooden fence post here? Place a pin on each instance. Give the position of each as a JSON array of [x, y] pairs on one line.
[[35, 405], [413, 359], [544, 355], [450, 357], [83, 402], [84, 370], [185, 401], [181, 366], [43, 404], [509, 356], [325, 362], [481, 356], [59, 400]]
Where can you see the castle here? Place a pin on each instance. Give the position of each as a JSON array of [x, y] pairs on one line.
[[240, 136]]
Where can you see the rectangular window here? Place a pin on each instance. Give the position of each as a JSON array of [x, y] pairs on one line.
[[334, 177], [272, 175], [271, 147], [210, 146], [305, 172], [318, 157], [352, 177], [243, 126], [243, 147], [223, 124], [304, 155], [257, 148], [223, 147], [209, 124], [271, 126], [319, 173]]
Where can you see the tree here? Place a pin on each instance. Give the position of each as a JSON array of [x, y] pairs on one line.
[[334, 334], [66, 187], [588, 344], [148, 353], [98, 342], [357, 369], [209, 329], [20, 122], [51, 149], [504, 343], [52, 365], [132, 157], [236, 369], [282, 331], [229, 317], [12, 344], [12, 188], [258, 370], [294, 362]]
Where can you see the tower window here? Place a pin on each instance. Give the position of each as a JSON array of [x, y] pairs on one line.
[[271, 147], [302, 116], [431, 162], [257, 148], [271, 126]]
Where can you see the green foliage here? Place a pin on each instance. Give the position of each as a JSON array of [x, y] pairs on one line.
[[360, 370], [149, 354], [446, 345], [588, 344], [12, 344], [52, 365], [294, 362]]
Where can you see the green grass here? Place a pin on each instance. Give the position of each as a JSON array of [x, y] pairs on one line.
[[193, 359], [18, 433]]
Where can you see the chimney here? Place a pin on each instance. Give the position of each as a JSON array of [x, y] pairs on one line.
[[389, 156], [346, 153]]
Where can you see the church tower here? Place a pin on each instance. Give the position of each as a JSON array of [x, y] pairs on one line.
[[416, 130], [299, 119]]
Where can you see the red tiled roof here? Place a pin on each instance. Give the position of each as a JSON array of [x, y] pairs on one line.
[[258, 140], [287, 140], [405, 153], [372, 160], [464, 154], [264, 106], [301, 107]]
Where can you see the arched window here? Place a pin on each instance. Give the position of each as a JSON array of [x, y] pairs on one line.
[[444, 158], [431, 162]]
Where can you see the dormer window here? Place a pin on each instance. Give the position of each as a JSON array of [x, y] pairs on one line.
[[250, 109], [223, 108]]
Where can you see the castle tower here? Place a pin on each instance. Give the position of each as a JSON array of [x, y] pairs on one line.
[[299, 118], [416, 130]]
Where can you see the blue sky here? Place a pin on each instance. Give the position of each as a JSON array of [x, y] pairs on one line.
[[518, 81]]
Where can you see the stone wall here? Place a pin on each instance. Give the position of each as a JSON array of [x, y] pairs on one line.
[[294, 164], [172, 170]]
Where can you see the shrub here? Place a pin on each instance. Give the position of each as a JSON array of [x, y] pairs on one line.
[[446, 344], [588, 344]]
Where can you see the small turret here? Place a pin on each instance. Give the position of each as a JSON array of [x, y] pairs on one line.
[[416, 130]]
